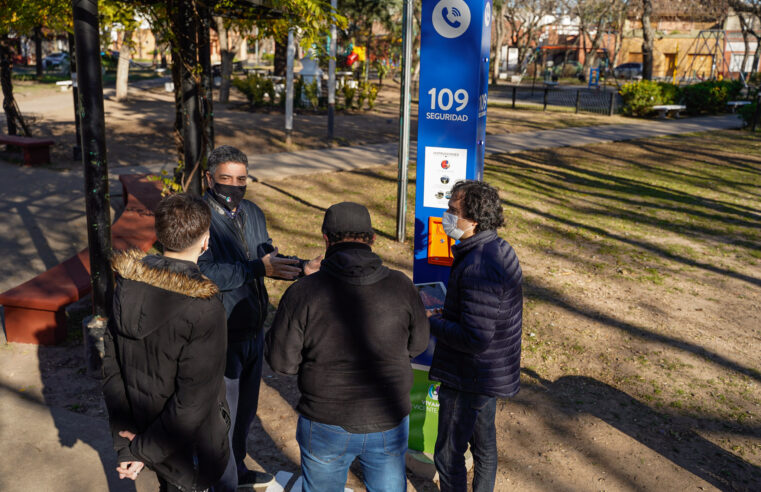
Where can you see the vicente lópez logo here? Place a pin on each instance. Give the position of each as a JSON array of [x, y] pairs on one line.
[[451, 18], [433, 392]]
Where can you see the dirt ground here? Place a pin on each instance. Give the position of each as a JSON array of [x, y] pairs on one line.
[[642, 278], [139, 131]]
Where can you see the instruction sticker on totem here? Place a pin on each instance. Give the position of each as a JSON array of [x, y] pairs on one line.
[[443, 168]]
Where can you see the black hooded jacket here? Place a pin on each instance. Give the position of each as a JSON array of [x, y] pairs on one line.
[[163, 367], [349, 332]]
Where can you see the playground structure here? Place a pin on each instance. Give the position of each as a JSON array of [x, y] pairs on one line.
[[707, 57]]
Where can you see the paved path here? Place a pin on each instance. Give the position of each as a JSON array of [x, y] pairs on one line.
[[283, 165], [42, 222]]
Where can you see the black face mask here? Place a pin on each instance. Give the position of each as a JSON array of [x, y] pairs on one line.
[[229, 196]]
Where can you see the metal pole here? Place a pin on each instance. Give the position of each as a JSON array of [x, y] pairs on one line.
[[290, 54], [578, 100], [76, 150], [332, 75], [612, 104], [546, 92], [515, 89], [404, 127], [97, 199]]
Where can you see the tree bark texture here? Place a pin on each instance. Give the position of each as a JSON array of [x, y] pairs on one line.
[[207, 96], [122, 67], [38, 50], [648, 40], [97, 202], [13, 118], [499, 33], [281, 58]]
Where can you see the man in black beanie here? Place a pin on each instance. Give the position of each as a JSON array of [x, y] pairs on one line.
[[349, 332]]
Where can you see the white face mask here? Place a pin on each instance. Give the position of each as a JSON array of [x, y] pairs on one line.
[[449, 223]]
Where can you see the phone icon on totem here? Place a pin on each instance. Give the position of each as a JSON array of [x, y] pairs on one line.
[[451, 17]]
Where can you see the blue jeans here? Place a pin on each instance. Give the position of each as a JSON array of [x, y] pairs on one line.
[[466, 418], [243, 375], [327, 451]]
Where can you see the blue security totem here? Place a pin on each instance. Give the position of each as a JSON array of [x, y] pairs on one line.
[[454, 76]]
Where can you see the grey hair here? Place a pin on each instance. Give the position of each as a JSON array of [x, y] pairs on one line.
[[222, 154]]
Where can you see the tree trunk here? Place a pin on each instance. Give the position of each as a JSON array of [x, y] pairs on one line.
[[499, 33], [177, 81], [227, 56], [13, 118], [122, 67], [38, 50], [756, 56], [281, 58], [648, 40], [206, 92], [369, 41], [186, 31], [746, 44]]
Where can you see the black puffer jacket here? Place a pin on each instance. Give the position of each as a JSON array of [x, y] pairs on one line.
[[234, 262], [478, 335], [163, 367], [349, 332]]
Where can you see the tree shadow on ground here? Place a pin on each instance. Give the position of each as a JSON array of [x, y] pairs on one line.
[[674, 438]]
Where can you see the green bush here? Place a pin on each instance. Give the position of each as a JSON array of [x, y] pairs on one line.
[[361, 95], [349, 93], [298, 90], [670, 93], [710, 96], [253, 87], [640, 97], [372, 95], [312, 93], [268, 88], [747, 112]]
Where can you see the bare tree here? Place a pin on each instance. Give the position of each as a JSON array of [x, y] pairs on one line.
[[229, 44], [749, 12], [596, 18], [526, 20]]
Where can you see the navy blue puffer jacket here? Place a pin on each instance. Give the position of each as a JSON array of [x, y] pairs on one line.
[[478, 334]]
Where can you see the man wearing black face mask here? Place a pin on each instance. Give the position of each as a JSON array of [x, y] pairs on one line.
[[240, 255]]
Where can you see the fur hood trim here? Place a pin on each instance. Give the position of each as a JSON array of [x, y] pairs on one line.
[[129, 265]]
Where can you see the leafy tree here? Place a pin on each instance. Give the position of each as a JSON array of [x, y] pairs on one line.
[[121, 16], [23, 17]]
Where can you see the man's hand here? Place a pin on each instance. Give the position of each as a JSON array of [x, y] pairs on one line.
[[129, 469], [432, 312], [313, 265], [280, 267]]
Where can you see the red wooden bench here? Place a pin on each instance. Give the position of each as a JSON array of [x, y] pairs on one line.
[[34, 310], [36, 150]]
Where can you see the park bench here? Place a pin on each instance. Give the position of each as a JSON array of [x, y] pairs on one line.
[[664, 109], [34, 310], [64, 84], [733, 105], [36, 150]]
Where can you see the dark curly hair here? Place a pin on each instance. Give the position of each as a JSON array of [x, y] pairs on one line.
[[480, 203], [337, 237]]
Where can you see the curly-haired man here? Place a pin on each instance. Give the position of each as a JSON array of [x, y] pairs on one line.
[[478, 337]]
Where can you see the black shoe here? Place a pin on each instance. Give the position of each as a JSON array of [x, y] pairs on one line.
[[255, 479]]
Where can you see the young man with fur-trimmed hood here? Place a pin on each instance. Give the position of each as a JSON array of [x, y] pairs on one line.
[[165, 356]]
